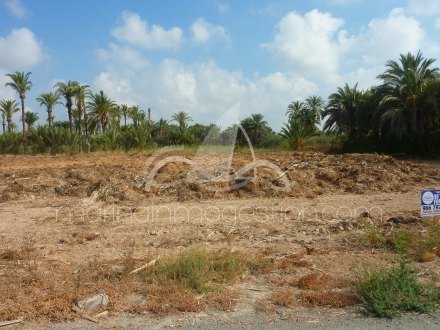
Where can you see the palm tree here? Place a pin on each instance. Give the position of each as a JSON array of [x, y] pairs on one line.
[[315, 106], [9, 107], [30, 119], [115, 118], [68, 92], [255, 126], [403, 92], [49, 100], [125, 112], [341, 110], [100, 106], [182, 119], [136, 115], [21, 84], [294, 108], [295, 132], [309, 112], [81, 92]]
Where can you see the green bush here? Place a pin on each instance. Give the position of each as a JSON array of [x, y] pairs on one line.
[[11, 143], [388, 293]]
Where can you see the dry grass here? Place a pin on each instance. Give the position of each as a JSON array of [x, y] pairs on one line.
[[319, 281], [34, 289], [168, 299], [224, 300], [427, 257], [330, 298], [284, 297], [290, 263]]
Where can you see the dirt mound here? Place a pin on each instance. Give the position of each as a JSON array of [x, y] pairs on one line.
[[122, 179]]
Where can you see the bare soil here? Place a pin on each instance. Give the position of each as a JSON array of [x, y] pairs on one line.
[[72, 226]]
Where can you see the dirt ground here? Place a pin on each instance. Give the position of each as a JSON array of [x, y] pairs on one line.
[[70, 223]]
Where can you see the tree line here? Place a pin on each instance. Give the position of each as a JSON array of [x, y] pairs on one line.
[[400, 115]]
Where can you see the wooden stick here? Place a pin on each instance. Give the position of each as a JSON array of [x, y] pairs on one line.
[[5, 323], [149, 264], [84, 315], [104, 313]]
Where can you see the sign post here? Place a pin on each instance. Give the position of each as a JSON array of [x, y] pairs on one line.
[[430, 204]]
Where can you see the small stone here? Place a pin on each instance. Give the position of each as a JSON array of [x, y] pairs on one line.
[[94, 303]]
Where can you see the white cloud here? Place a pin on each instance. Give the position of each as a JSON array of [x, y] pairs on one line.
[[316, 46], [221, 6], [203, 32], [16, 8], [204, 90], [5, 92], [268, 10], [424, 7], [310, 44], [135, 31], [20, 50], [388, 37], [122, 56], [437, 23]]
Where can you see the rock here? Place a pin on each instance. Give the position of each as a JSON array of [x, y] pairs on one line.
[[94, 303], [365, 215], [403, 220]]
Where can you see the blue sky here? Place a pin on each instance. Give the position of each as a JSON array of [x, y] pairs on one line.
[[204, 56]]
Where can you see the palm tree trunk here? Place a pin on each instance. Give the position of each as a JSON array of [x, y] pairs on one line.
[[4, 126], [86, 121], [49, 115], [22, 113], [79, 120], [69, 113]]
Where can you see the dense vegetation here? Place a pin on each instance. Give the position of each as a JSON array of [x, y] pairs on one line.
[[401, 115]]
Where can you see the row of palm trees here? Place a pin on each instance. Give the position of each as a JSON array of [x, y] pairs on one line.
[[87, 111], [404, 108], [404, 105]]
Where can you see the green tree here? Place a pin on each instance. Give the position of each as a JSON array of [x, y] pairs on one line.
[[21, 84], [81, 92], [136, 114], [182, 134], [295, 132], [255, 127], [308, 112], [49, 100], [403, 97], [9, 107], [30, 118], [341, 111], [67, 90], [125, 112], [100, 107]]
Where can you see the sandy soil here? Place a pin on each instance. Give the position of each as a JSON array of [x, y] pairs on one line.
[[76, 211]]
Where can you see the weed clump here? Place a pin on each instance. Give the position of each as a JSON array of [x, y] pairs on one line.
[[388, 293], [200, 271], [421, 247]]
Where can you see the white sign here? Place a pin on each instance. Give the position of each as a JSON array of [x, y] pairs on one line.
[[430, 203]]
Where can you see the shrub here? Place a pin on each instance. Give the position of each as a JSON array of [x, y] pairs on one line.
[[387, 293]]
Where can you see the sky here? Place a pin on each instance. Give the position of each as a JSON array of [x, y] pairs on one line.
[[206, 56]]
